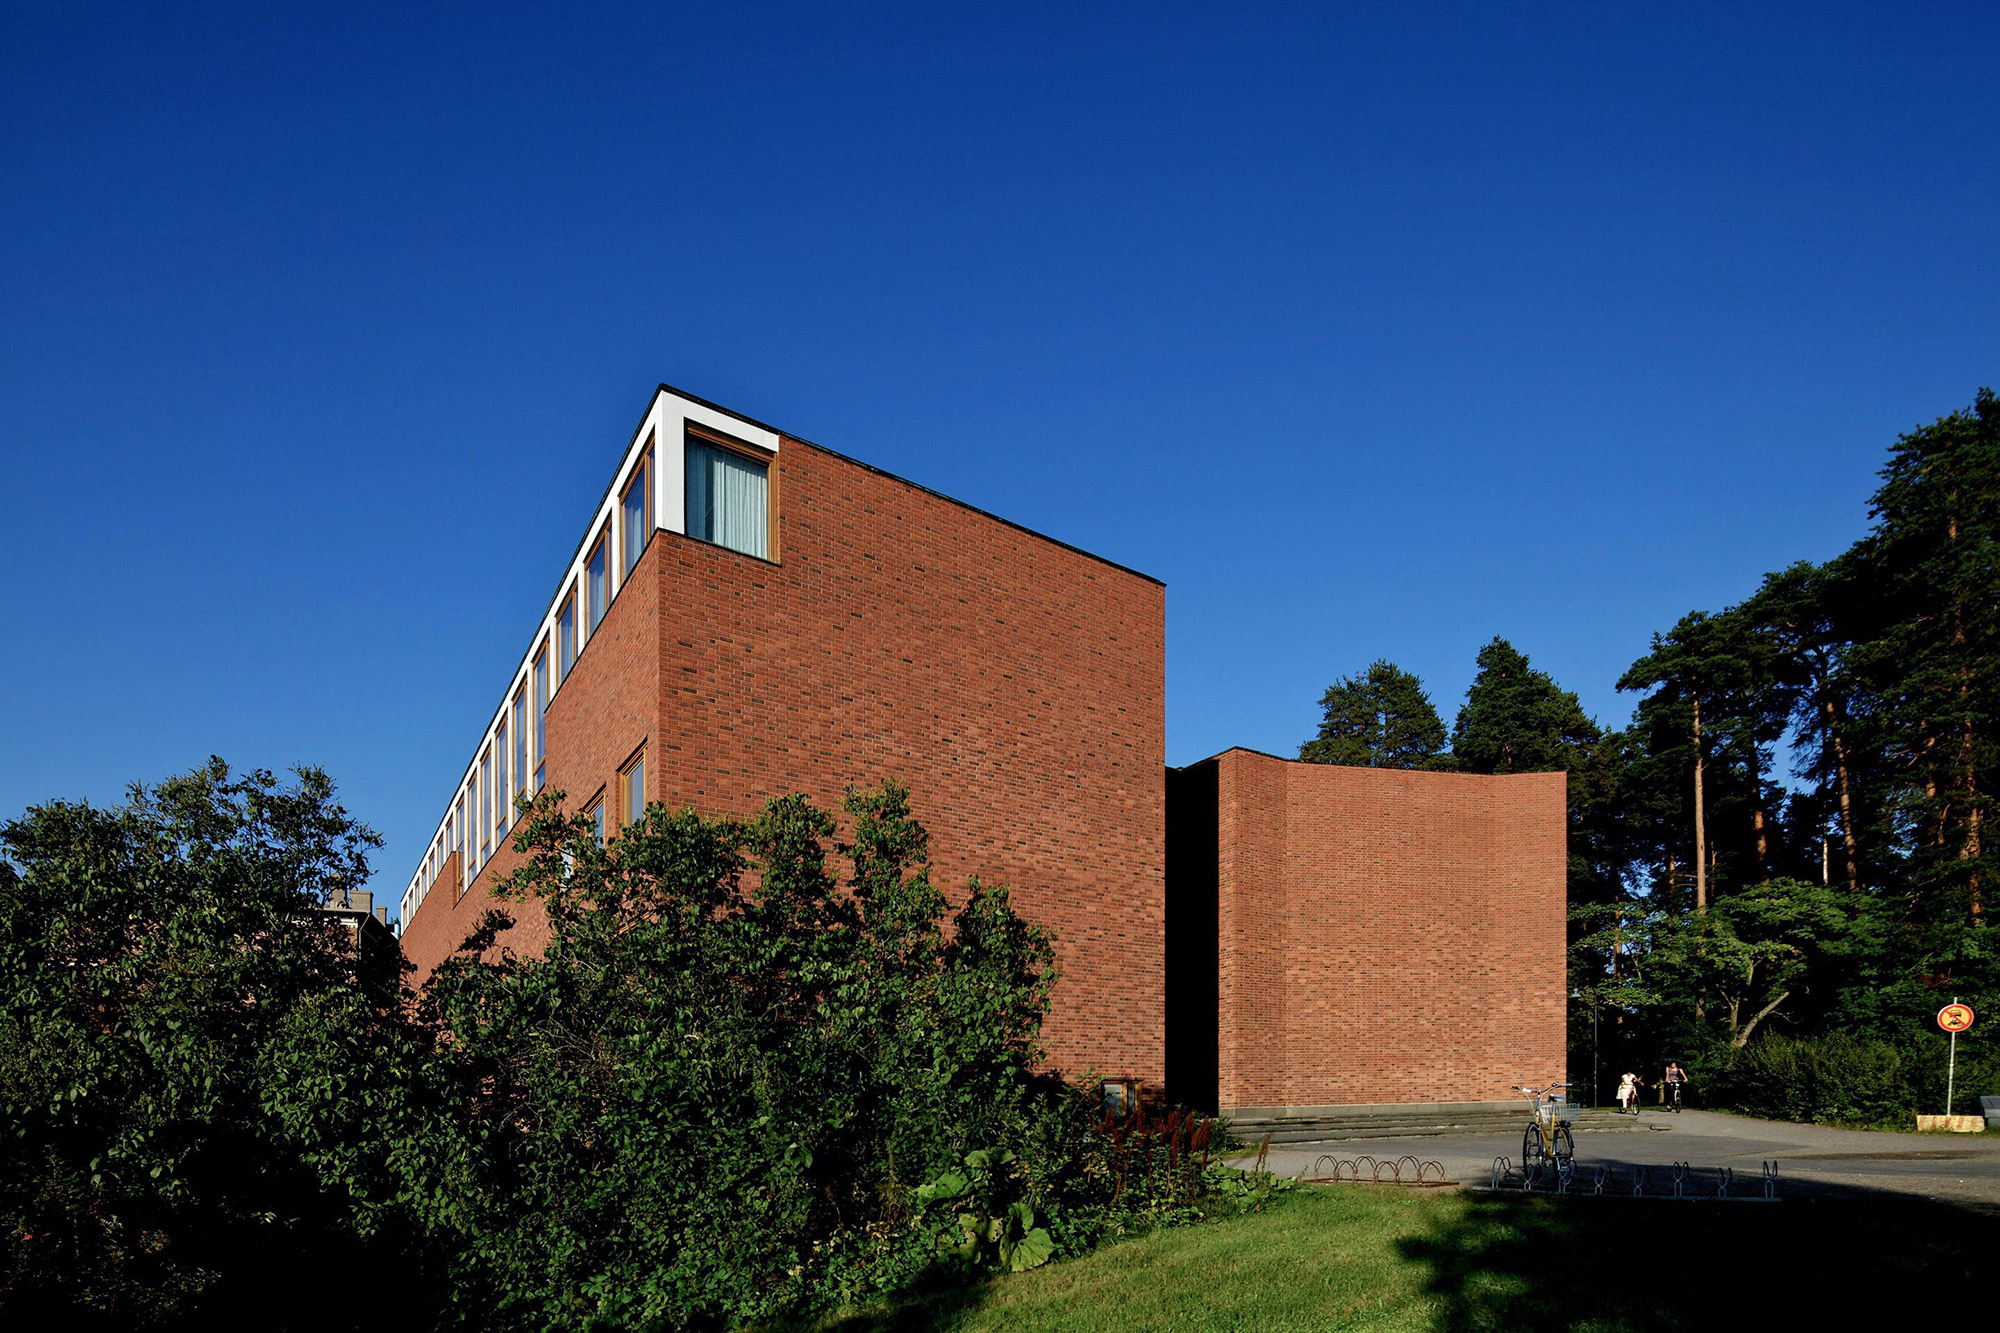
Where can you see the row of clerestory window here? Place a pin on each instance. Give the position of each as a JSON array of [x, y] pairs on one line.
[[728, 503]]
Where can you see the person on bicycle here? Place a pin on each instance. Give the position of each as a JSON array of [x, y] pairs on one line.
[[1628, 1093], [1676, 1078]]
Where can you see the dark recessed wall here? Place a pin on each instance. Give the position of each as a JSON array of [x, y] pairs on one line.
[[1192, 860]]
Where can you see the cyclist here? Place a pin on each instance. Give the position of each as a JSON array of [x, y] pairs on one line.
[[1676, 1079], [1628, 1093]]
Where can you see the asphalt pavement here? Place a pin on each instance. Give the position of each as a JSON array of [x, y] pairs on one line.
[[1812, 1159]]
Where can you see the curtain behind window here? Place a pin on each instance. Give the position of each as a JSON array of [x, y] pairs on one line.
[[727, 500]]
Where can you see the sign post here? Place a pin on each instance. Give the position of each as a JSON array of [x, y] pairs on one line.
[[1953, 1018]]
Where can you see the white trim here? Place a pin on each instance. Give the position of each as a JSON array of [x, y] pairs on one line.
[[665, 423]]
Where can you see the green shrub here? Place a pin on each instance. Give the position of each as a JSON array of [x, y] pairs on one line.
[[194, 1063], [1837, 1079], [733, 1087]]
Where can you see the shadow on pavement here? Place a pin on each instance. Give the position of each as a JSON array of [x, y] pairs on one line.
[[1822, 1263]]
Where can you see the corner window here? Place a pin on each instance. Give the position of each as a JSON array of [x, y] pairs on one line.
[[728, 498], [597, 587], [635, 515]]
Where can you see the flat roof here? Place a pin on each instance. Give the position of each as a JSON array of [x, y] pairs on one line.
[[915, 485]]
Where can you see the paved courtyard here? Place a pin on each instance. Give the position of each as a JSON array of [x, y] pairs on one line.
[[1812, 1159]]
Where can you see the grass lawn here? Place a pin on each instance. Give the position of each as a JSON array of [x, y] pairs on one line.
[[1361, 1257]]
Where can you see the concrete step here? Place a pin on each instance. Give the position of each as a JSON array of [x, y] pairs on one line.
[[1387, 1124]]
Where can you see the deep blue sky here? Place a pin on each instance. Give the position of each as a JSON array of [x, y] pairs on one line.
[[1374, 331]]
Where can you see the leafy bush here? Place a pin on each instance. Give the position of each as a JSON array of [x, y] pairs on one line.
[[732, 1087], [1837, 1079], [191, 1060]]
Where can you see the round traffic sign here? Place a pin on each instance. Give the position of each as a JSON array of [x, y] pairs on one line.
[[1955, 1017]]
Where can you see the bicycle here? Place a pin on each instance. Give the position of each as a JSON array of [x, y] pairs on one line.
[[1547, 1137]]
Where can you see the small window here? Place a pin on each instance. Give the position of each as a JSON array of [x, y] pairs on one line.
[[597, 587], [595, 812], [566, 633], [728, 499], [635, 516], [539, 690], [483, 783], [520, 741], [633, 782], [499, 811]]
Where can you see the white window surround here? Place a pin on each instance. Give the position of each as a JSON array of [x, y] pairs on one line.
[[665, 426]]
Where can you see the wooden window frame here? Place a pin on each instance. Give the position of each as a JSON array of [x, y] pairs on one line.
[[500, 786], [596, 805], [588, 622], [756, 454], [642, 475], [625, 774], [566, 609], [519, 787], [538, 706]]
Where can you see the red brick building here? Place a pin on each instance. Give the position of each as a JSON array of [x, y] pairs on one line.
[[1361, 936], [748, 614]]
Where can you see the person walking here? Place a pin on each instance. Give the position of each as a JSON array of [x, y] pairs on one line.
[[1676, 1079], [1628, 1094]]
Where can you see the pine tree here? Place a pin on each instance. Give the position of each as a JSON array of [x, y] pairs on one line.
[[1379, 719], [1518, 720], [1933, 566]]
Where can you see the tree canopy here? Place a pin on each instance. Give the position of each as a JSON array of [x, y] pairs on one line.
[[1790, 837], [1380, 718], [1516, 719], [189, 1054]]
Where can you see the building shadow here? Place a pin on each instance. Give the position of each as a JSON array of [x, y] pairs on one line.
[[1826, 1262]]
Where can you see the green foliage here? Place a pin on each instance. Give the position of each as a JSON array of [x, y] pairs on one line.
[[1750, 955], [1839, 1079], [1379, 719], [1518, 720], [1879, 673], [193, 1060], [994, 1226], [734, 1087], [716, 1092]]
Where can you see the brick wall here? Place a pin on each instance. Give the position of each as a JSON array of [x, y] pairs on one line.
[[1016, 685], [1381, 936]]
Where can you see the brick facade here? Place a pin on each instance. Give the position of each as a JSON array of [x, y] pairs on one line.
[[1248, 931], [1377, 936], [1014, 683]]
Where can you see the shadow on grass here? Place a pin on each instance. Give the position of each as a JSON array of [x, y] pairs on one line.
[[1644, 1264], [931, 1308]]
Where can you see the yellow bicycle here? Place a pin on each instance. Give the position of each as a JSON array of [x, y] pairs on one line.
[[1547, 1137]]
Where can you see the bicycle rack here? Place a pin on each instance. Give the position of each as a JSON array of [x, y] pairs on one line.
[[1676, 1180], [1405, 1170]]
